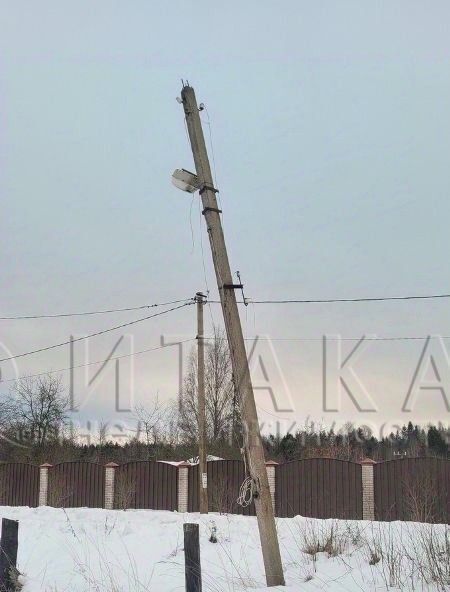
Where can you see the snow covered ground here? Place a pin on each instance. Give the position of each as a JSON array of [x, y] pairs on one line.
[[80, 550]]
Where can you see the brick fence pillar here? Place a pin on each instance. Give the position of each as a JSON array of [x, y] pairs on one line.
[[368, 489], [43, 484], [270, 468], [110, 475], [183, 486]]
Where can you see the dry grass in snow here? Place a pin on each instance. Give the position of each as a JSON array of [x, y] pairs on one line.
[[81, 550]]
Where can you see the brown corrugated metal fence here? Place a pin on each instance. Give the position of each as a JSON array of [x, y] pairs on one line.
[[319, 488], [403, 489], [415, 489], [19, 484], [225, 478], [76, 484], [146, 485], [193, 487]]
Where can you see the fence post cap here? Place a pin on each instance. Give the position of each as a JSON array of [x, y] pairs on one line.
[[368, 461], [271, 463], [46, 465], [111, 465], [184, 464]]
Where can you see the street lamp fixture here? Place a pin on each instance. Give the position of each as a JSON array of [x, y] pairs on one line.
[[185, 180]]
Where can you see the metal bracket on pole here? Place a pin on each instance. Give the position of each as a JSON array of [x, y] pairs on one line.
[[207, 187], [245, 300], [211, 210], [232, 286]]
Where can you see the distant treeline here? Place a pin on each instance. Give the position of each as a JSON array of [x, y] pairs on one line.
[[35, 426], [349, 444]]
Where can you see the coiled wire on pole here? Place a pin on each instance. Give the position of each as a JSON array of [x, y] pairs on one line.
[[248, 489], [246, 492]]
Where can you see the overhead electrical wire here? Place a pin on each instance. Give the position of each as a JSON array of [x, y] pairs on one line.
[[91, 312], [335, 300], [193, 339], [121, 326], [248, 301], [335, 338], [190, 301], [67, 369], [365, 338]]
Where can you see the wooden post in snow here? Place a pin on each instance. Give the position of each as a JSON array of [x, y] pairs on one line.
[[192, 567], [8, 555]]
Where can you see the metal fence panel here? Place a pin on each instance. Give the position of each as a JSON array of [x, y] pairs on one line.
[[225, 478], [146, 485], [19, 484], [319, 488], [415, 489], [76, 484]]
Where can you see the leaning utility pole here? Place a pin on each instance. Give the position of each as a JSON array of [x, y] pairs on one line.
[[202, 459], [254, 452]]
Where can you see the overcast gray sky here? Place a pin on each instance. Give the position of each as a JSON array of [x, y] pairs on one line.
[[331, 137]]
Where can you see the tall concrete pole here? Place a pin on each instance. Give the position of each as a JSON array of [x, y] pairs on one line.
[[202, 459], [252, 438]]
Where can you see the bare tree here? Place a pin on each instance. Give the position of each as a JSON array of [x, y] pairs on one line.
[[38, 408], [188, 412], [221, 404], [171, 432], [102, 433], [150, 420], [219, 387]]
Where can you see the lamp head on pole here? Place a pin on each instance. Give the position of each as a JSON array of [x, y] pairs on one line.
[[185, 180]]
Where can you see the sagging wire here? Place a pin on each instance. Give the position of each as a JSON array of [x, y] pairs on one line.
[[90, 312], [208, 123], [248, 489], [85, 365], [97, 333], [190, 223]]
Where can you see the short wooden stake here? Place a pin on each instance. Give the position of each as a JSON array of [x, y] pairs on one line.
[[8, 555], [192, 567]]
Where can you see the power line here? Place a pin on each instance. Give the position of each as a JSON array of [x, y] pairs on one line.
[[332, 338], [333, 300], [91, 312], [142, 351], [256, 337], [49, 347], [248, 301], [366, 338]]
